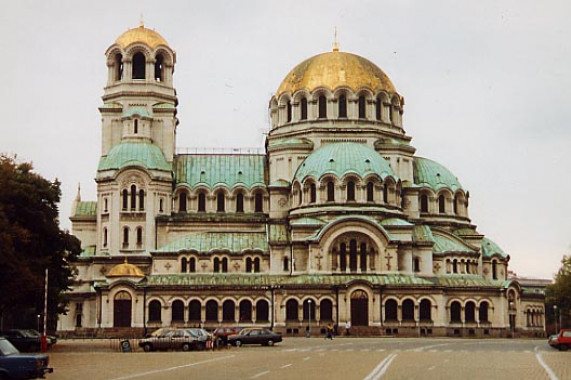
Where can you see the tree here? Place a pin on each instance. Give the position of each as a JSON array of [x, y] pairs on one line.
[[31, 241], [559, 293]]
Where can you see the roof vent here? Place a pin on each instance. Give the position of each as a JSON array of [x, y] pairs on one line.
[[367, 161], [203, 172], [240, 172], [331, 160]]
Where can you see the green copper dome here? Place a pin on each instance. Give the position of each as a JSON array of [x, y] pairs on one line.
[[340, 159], [146, 155], [430, 173], [490, 248]]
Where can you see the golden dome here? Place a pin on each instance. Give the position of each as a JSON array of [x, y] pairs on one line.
[[125, 270], [336, 69], [141, 35]]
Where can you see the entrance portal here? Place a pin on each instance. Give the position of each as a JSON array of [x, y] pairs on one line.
[[359, 308], [122, 310]]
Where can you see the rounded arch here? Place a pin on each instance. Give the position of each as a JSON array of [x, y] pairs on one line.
[[407, 307], [211, 310], [228, 310], [353, 224], [194, 310], [292, 309], [262, 310], [391, 309], [245, 310], [325, 309]]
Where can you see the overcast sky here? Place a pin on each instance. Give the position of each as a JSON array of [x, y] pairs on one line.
[[485, 85]]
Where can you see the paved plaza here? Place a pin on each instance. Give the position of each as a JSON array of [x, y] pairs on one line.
[[299, 358]]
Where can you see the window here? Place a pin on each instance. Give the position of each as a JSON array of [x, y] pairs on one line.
[[192, 265], [303, 109], [363, 257], [353, 255], [288, 110], [370, 192], [350, 191], [125, 196], [312, 193], [183, 266], [456, 205], [326, 310], [343, 257], [201, 202], [136, 126], [292, 310], [194, 311], [483, 312], [225, 265], [257, 265], [391, 310], [362, 107], [159, 63], [177, 311], [495, 270], [245, 311], [423, 203], [416, 264], [262, 311], [342, 106], [470, 312], [220, 200], [228, 311], [322, 104], [212, 311], [125, 237], [425, 310], [133, 197], [330, 191], [386, 193], [248, 265], [182, 201], [155, 311], [455, 266], [104, 236], [139, 66], [161, 205], [286, 264], [309, 310], [441, 204], [216, 265], [455, 312], [408, 310], [118, 67], [378, 108], [141, 200], [105, 208], [139, 236], [240, 202], [258, 202]]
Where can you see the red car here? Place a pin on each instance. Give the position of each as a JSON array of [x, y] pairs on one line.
[[561, 341]]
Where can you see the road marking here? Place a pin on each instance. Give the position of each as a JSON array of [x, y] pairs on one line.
[[431, 346], [306, 358], [286, 365], [380, 369], [259, 374], [550, 373], [381, 350], [172, 368]]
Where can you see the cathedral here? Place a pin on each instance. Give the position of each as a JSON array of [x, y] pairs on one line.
[[335, 220]]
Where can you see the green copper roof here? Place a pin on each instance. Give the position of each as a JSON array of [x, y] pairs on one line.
[[279, 183], [220, 169], [444, 244], [489, 249], [352, 217], [278, 233], [291, 141], [431, 174], [307, 222], [236, 242], [146, 155], [88, 251], [340, 159], [456, 280], [86, 209], [395, 222], [422, 233], [112, 105], [164, 105], [139, 111]]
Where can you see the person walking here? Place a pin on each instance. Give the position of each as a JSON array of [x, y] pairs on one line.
[[347, 328], [329, 332]]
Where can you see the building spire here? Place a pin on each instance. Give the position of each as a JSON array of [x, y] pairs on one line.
[[77, 200], [141, 21], [335, 42]]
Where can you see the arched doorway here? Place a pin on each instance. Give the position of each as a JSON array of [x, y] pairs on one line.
[[122, 310], [359, 308]]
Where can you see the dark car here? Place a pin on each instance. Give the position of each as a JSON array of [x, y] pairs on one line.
[[51, 339], [201, 335], [22, 339], [14, 365], [170, 339], [255, 335]]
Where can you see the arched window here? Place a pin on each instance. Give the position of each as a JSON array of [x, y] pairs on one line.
[[248, 265], [483, 312], [125, 237], [408, 310], [470, 312], [245, 311], [141, 200], [370, 192], [139, 66], [494, 270], [300, 196], [303, 109], [330, 192], [292, 310], [225, 265], [342, 106], [425, 310], [133, 197], [456, 205], [220, 200], [288, 110], [363, 254], [309, 310], [286, 264], [455, 309], [118, 67], [105, 237], [139, 236], [216, 265], [155, 311], [177, 311], [161, 205], [183, 265], [194, 309], [391, 310], [441, 204], [378, 108], [240, 202], [326, 310], [416, 264], [106, 208], [262, 311], [201, 202], [192, 265], [182, 201], [136, 126], [423, 203], [322, 104], [353, 255], [159, 63], [343, 257], [212, 311], [385, 193], [258, 202], [257, 265], [312, 193], [362, 107], [228, 311], [455, 266], [350, 191]]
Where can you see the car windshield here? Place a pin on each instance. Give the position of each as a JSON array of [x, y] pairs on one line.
[[7, 348], [33, 333]]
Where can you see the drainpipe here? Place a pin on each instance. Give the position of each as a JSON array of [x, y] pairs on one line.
[[381, 303], [144, 311], [273, 308], [337, 304], [291, 259]]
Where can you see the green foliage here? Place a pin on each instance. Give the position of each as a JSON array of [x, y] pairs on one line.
[[559, 293], [31, 241]]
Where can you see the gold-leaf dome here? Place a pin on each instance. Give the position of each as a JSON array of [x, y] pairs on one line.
[[141, 35], [336, 69], [125, 270]]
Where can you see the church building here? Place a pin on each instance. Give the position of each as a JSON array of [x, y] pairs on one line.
[[336, 220]]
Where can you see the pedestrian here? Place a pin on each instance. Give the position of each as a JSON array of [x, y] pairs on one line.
[[347, 328], [329, 332], [307, 332]]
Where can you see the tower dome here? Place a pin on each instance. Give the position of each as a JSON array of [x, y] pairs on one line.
[[125, 270], [336, 69], [141, 35]]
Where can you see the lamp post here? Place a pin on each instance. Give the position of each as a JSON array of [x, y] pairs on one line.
[[555, 317], [309, 325], [39, 316]]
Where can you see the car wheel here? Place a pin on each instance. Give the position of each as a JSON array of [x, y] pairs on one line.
[[563, 347], [147, 347], [186, 347], [238, 343], [270, 342]]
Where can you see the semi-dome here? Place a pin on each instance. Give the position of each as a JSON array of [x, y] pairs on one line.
[[146, 155], [141, 35], [340, 159], [432, 174], [125, 270], [336, 69]]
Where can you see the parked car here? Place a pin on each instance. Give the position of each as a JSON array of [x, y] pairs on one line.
[[170, 339], [561, 341], [22, 339], [201, 335], [222, 334], [255, 335], [14, 365], [51, 339]]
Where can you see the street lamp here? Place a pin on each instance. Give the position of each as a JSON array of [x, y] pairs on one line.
[[309, 325], [555, 317], [39, 316]]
